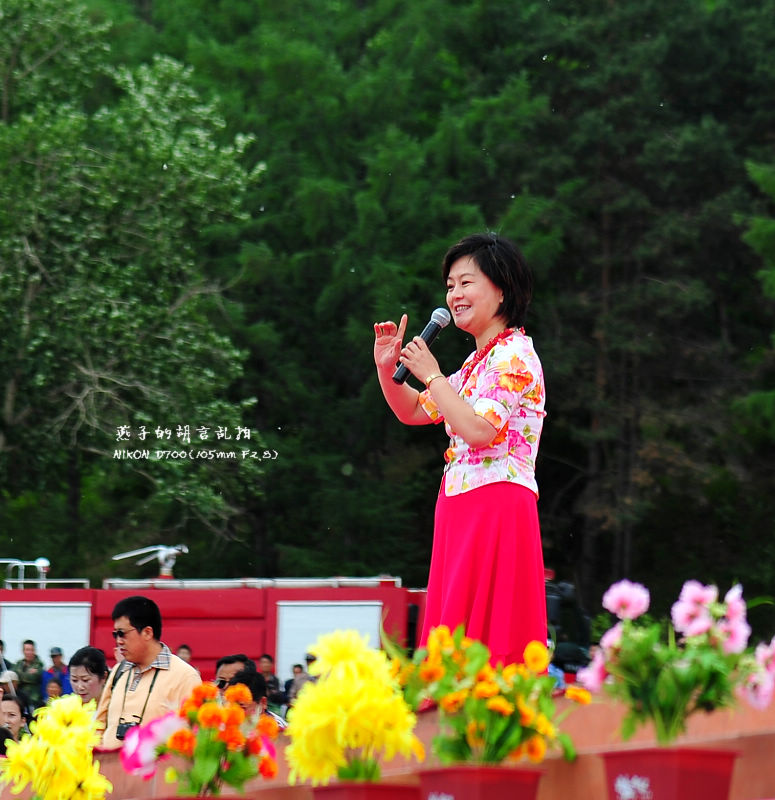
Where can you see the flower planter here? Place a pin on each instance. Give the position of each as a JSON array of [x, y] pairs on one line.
[[359, 790], [476, 782], [669, 773]]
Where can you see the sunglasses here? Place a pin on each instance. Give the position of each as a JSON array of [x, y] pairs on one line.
[[121, 634]]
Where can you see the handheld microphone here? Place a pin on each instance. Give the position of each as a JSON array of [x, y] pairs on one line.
[[440, 318]]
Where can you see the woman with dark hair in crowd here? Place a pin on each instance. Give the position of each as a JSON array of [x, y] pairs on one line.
[[14, 718], [88, 671], [487, 564]]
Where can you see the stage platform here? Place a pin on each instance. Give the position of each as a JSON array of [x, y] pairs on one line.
[[594, 729]]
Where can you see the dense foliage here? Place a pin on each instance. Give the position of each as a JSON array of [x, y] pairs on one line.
[[609, 139]]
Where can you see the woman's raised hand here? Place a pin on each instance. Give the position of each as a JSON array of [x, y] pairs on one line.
[[388, 339]]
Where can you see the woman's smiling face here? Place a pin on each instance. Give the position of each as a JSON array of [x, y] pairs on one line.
[[473, 299]]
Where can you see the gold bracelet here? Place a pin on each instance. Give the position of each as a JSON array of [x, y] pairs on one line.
[[432, 377]]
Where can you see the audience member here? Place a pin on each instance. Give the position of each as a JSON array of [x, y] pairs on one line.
[[275, 696], [155, 682], [5, 734], [58, 669], [9, 682], [228, 666], [184, 652], [15, 719], [30, 672], [54, 687], [300, 677], [4, 664], [257, 685], [88, 672]]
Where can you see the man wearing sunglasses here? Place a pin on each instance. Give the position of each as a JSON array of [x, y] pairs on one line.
[[152, 680]]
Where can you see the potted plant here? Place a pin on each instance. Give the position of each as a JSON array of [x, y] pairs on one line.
[[664, 673], [57, 758], [352, 715], [211, 737], [488, 716]]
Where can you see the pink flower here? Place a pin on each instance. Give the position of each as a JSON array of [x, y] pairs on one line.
[[691, 619], [734, 635], [626, 599], [139, 753], [765, 655], [611, 638], [735, 610], [698, 594], [758, 689], [591, 677]]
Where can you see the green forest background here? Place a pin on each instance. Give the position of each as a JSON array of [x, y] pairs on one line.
[[205, 204]]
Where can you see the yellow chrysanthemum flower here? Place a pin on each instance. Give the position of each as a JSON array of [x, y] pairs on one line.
[[348, 653], [347, 715], [536, 657], [56, 759]]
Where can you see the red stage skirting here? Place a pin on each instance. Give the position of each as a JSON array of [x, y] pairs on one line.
[[593, 729]]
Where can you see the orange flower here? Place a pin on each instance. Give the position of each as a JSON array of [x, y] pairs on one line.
[[232, 736], [267, 726], [183, 742], [453, 701], [536, 749], [188, 707], [526, 714], [203, 693], [449, 455], [485, 689], [233, 715], [536, 657], [239, 693], [211, 715], [500, 705], [473, 736], [431, 670], [267, 767], [510, 671], [486, 673], [578, 694], [516, 753], [254, 743]]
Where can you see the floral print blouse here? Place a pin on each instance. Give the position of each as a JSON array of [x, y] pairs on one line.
[[507, 389]]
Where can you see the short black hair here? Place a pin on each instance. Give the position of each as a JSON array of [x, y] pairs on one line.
[[54, 680], [503, 263], [28, 641], [92, 659], [141, 612], [15, 699], [237, 658], [253, 680]]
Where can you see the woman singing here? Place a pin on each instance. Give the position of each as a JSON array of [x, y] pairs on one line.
[[487, 567]]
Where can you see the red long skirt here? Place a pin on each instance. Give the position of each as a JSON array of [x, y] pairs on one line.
[[487, 569]]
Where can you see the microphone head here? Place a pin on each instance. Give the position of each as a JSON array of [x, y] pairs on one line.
[[441, 317]]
